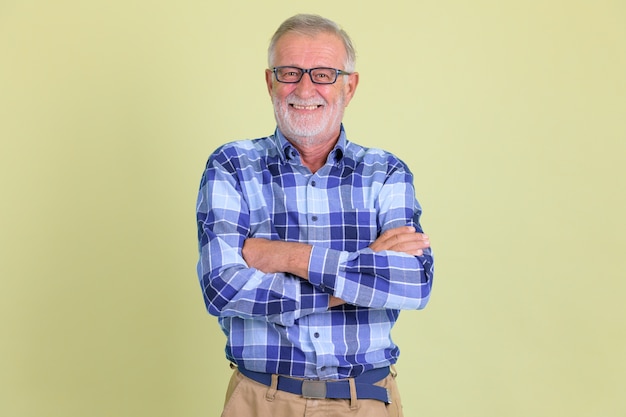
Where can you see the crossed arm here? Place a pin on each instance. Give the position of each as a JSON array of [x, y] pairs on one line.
[[270, 256], [280, 281]]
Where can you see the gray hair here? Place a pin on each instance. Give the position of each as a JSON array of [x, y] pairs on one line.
[[311, 25]]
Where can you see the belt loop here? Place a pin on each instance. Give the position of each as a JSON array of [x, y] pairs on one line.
[[354, 403], [393, 371], [271, 391]]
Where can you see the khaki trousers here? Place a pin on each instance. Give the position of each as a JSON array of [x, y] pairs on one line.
[[248, 398]]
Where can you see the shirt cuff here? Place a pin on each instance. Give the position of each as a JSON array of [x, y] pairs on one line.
[[324, 268]]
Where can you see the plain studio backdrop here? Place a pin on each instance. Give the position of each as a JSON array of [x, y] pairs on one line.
[[511, 114]]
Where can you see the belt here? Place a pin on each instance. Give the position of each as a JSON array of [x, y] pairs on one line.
[[309, 388]]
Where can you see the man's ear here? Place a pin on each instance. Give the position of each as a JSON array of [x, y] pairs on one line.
[[353, 82], [269, 81]]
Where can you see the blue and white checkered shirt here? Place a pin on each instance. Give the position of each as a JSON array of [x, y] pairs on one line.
[[277, 322]]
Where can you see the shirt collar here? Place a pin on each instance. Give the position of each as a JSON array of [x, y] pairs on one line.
[[289, 152]]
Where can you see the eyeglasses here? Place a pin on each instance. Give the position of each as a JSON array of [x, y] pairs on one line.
[[293, 75]]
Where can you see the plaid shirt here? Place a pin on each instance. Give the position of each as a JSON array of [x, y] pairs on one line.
[[277, 322]]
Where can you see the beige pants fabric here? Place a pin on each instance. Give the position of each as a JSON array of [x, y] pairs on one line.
[[248, 398]]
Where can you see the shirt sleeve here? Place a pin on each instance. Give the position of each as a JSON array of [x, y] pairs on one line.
[[385, 279], [229, 286]]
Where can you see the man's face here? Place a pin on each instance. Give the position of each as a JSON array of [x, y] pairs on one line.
[[310, 114]]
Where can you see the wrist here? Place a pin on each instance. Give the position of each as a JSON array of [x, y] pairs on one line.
[[298, 255]]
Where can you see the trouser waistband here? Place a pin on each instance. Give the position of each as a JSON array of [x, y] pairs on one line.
[[309, 388]]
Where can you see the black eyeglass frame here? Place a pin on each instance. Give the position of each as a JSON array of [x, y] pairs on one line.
[[338, 72]]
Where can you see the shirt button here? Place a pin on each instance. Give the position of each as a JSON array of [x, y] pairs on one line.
[[314, 218], [312, 183], [316, 335]]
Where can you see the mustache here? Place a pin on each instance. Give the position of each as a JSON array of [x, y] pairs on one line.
[[308, 102]]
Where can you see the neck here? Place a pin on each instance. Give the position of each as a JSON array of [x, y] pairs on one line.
[[314, 155]]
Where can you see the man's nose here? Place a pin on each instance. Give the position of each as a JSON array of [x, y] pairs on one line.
[[305, 86]]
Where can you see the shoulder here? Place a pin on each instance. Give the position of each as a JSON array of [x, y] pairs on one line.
[[375, 158], [243, 147], [242, 151]]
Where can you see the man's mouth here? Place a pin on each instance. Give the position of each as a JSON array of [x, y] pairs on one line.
[[309, 107]]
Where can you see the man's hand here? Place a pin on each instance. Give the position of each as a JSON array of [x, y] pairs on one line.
[[402, 239]]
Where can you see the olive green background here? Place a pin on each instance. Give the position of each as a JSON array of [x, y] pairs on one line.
[[512, 115]]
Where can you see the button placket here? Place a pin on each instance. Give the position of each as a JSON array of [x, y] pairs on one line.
[[312, 193]]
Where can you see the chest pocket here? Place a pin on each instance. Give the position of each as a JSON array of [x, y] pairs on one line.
[[353, 230]]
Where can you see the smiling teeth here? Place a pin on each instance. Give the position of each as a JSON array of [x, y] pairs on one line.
[[299, 107]]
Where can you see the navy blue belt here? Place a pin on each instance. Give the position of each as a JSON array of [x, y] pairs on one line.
[[309, 388]]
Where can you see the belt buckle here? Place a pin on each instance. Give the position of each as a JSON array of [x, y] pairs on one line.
[[314, 389]]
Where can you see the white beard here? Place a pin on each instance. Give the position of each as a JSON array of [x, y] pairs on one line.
[[308, 130]]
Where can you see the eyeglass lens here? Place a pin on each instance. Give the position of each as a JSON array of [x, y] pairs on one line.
[[294, 75]]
